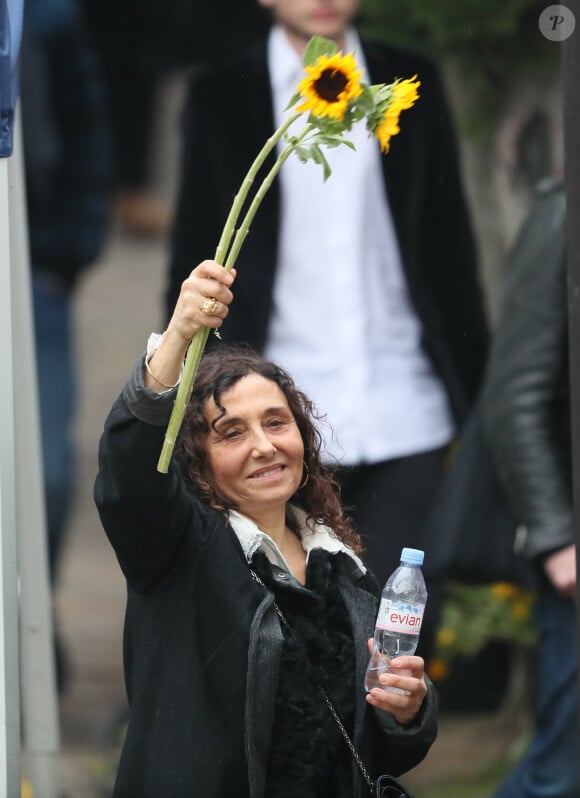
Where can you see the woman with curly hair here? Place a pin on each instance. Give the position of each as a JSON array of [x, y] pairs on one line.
[[247, 600]]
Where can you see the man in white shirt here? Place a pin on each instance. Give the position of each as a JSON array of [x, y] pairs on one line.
[[374, 305]]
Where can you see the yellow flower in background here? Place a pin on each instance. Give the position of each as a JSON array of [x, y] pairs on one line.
[[446, 636], [330, 84], [521, 609], [437, 670], [404, 95], [504, 590]]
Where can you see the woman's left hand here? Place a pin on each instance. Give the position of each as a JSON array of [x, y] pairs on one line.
[[408, 674]]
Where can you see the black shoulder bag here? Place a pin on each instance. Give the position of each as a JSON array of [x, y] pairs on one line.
[[385, 786]]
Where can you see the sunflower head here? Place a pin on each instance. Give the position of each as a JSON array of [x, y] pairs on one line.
[[329, 85], [389, 102]]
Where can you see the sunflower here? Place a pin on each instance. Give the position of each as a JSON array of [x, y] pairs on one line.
[[404, 95], [330, 84]]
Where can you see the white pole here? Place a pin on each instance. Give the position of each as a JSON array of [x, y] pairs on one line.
[[9, 680], [37, 671]]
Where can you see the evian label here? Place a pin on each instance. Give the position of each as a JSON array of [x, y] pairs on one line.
[[400, 616]]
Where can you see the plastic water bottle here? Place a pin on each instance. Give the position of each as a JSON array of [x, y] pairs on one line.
[[399, 618]]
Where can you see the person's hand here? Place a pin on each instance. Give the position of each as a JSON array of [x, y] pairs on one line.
[[410, 677], [203, 302], [560, 569]]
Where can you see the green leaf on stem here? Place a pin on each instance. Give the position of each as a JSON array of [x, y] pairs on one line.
[[302, 152], [332, 141], [327, 125], [365, 102], [319, 158], [293, 101], [316, 47]]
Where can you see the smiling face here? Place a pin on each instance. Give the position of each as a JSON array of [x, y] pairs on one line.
[[254, 450]]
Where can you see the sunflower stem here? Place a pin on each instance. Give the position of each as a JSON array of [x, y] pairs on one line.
[[194, 353], [246, 185], [244, 227], [199, 340]]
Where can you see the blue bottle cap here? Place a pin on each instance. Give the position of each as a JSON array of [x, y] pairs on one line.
[[412, 556]]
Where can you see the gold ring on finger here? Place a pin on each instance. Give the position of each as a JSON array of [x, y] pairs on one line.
[[209, 307]]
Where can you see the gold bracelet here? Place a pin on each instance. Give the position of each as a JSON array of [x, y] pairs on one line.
[[157, 380]]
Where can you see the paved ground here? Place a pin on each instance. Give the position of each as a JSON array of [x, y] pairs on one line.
[[118, 305]]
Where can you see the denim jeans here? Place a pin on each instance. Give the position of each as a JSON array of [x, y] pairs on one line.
[[56, 388], [550, 767]]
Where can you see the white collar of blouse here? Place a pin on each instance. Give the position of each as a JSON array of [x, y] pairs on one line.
[[312, 535]]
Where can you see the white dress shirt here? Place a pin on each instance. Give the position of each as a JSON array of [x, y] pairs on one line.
[[343, 324]]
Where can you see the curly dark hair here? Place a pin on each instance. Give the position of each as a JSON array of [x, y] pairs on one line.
[[220, 369]]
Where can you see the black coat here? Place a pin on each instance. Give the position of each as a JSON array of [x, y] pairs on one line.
[[526, 396], [229, 116], [202, 640]]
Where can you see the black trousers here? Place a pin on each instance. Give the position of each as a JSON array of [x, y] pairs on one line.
[[389, 503]]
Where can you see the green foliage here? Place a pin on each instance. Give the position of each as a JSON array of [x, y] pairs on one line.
[[451, 23], [491, 41], [475, 615], [482, 613]]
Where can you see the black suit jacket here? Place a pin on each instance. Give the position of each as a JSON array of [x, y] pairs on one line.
[[228, 117]]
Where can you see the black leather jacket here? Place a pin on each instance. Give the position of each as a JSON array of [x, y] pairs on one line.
[[526, 395]]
